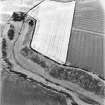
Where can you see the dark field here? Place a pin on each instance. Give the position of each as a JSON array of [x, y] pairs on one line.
[[85, 51], [17, 91]]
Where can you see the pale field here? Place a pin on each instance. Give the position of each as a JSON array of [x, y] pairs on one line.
[[7, 7]]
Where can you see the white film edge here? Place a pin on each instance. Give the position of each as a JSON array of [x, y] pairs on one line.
[[53, 28]]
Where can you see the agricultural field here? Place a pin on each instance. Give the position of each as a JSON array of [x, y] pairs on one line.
[[52, 54]]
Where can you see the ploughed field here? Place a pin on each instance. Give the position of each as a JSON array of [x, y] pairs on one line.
[[31, 78]]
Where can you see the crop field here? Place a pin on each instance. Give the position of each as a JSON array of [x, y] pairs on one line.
[[38, 77]]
